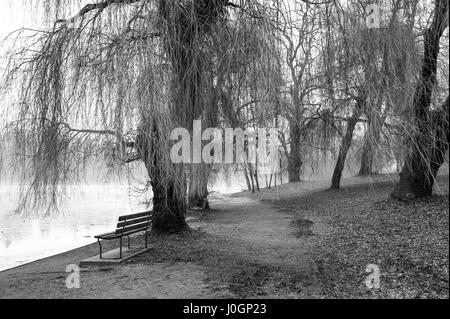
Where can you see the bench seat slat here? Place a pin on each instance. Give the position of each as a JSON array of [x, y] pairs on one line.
[[114, 235], [133, 222], [133, 227], [133, 216]]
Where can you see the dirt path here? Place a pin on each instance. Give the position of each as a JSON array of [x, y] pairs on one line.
[[268, 232], [248, 248]]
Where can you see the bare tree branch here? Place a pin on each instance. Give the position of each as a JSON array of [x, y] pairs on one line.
[[95, 6]]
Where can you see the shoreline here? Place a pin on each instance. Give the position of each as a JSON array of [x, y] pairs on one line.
[[69, 254], [44, 258]]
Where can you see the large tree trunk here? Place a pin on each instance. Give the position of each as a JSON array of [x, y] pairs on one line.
[[183, 25], [166, 179], [366, 158], [426, 157], [346, 142], [294, 161], [198, 183], [429, 140], [168, 209], [372, 136], [198, 186]]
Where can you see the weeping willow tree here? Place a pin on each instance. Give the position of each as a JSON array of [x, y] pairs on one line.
[[371, 68], [428, 134], [250, 77], [111, 82]]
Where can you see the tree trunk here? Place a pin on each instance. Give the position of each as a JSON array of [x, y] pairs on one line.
[[250, 171], [183, 25], [198, 186], [346, 142], [257, 179], [168, 209], [166, 179], [429, 140], [198, 183], [197, 200], [294, 163], [371, 138], [367, 158], [428, 154], [247, 179]]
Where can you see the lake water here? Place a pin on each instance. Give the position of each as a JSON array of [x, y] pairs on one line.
[[91, 210]]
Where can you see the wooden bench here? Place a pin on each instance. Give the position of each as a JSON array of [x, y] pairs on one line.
[[126, 226]]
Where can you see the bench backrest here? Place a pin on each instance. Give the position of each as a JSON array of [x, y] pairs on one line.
[[134, 222]]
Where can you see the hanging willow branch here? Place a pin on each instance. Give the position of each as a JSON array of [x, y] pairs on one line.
[[111, 82]]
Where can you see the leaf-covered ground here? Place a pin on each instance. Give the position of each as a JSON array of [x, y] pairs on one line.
[[407, 241]]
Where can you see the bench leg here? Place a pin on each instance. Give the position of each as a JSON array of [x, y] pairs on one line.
[[120, 252], [128, 242], [145, 238], [98, 239]]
